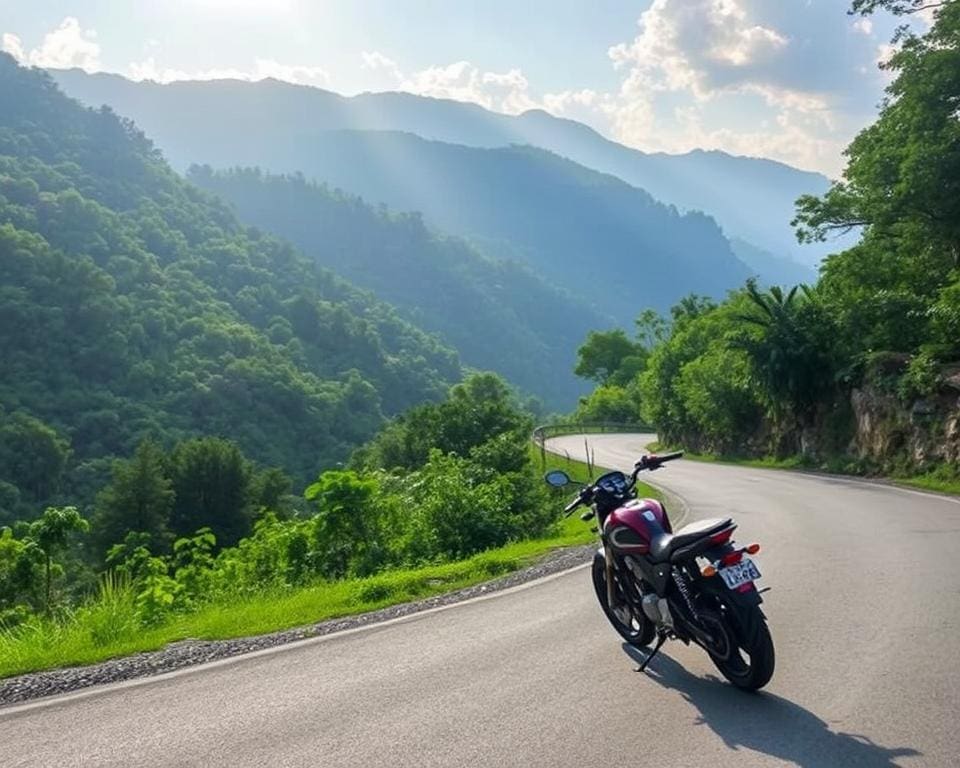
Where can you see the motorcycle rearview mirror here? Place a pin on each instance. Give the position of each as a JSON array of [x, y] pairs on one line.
[[557, 478]]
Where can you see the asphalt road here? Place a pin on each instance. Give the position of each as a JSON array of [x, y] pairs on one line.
[[864, 610]]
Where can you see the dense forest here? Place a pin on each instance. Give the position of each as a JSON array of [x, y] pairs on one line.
[[498, 315], [859, 369], [134, 304], [181, 396]]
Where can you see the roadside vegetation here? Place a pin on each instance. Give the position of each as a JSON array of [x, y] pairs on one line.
[[447, 496]]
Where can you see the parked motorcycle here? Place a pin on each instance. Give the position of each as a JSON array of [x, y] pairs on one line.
[[694, 585]]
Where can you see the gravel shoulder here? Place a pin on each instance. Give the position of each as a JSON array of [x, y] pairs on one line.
[[186, 653]]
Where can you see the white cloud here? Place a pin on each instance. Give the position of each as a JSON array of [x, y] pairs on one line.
[[863, 25], [66, 46], [300, 74], [507, 92], [11, 44], [62, 48], [696, 45], [377, 62]]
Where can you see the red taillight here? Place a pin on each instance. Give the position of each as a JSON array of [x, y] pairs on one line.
[[720, 538], [733, 557], [753, 549]]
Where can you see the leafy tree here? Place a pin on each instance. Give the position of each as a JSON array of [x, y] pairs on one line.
[[610, 403], [896, 7], [789, 349], [32, 455], [51, 533], [345, 525], [139, 499], [21, 576], [211, 485], [602, 356]]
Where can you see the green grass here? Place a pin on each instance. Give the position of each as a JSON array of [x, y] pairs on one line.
[[106, 627]]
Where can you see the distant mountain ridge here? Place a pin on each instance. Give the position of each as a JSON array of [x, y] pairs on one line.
[[499, 315], [610, 244], [751, 198]]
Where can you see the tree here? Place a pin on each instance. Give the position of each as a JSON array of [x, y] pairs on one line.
[[51, 533], [604, 353], [345, 525], [211, 483], [139, 499], [789, 349], [896, 7], [32, 455]]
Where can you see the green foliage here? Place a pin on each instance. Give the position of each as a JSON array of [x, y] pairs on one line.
[[697, 388], [479, 409], [32, 456], [789, 342], [610, 403], [498, 314], [166, 317], [210, 480], [51, 533], [139, 499], [609, 357]]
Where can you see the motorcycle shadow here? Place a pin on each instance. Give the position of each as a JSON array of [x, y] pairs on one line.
[[765, 722]]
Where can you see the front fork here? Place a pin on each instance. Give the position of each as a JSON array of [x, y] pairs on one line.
[[612, 601]]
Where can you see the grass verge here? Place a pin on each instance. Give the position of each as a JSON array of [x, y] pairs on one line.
[[107, 627]]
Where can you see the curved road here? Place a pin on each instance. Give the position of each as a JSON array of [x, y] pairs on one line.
[[864, 609]]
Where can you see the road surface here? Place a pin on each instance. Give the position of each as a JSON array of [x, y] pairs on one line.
[[864, 610]]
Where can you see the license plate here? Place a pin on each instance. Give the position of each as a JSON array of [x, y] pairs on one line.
[[739, 574]]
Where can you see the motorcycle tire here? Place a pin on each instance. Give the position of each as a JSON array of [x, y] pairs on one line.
[[748, 630], [639, 632]]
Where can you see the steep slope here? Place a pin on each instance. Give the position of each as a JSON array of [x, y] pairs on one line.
[[498, 314], [135, 304], [751, 198], [610, 244]]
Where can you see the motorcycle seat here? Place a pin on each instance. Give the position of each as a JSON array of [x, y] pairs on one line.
[[662, 547]]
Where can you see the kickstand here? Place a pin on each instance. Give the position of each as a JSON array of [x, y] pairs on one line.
[[661, 639]]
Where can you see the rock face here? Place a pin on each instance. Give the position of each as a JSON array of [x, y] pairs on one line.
[[919, 434]]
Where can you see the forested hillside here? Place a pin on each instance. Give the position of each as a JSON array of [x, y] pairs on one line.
[[862, 369], [610, 244], [499, 315], [751, 198], [134, 304]]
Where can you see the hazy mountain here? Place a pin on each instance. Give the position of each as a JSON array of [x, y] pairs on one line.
[[751, 198], [498, 314], [608, 243], [772, 270]]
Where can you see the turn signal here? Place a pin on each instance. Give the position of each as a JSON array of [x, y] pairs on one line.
[[708, 571], [753, 549]]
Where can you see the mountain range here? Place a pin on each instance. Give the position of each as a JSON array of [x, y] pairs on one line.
[[751, 198]]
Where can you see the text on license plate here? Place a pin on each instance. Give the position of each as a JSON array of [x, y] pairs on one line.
[[741, 573]]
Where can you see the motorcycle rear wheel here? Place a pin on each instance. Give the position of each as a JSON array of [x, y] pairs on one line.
[[636, 630], [750, 661]]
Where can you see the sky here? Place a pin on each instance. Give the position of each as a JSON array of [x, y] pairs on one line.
[[792, 80]]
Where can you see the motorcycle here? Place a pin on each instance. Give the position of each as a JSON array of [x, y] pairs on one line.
[[694, 585]]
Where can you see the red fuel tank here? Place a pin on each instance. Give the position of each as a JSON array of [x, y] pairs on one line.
[[633, 526]]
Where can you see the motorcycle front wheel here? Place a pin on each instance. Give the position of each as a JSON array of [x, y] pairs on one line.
[[636, 630]]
